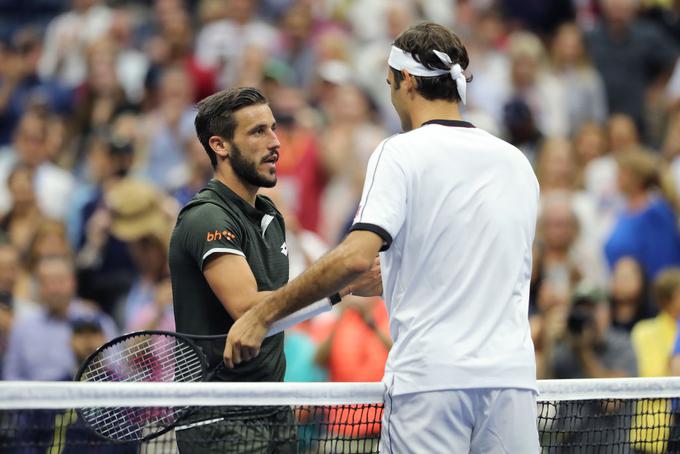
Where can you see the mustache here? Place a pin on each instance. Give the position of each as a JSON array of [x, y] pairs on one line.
[[272, 156]]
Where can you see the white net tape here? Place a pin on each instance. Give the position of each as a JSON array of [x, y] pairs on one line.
[[56, 395]]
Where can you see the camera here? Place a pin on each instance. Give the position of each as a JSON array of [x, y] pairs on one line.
[[579, 317], [581, 314]]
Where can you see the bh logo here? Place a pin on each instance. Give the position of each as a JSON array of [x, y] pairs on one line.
[[284, 249], [217, 235]]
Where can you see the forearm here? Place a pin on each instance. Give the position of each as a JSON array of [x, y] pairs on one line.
[[330, 274], [593, 368]]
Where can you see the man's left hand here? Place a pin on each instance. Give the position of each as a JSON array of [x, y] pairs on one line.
[[368, 283], [244, 339]]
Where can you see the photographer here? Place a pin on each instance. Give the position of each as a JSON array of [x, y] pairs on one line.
[[591, 347]]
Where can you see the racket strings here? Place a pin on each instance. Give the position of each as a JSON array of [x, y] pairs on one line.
[[143, 358]]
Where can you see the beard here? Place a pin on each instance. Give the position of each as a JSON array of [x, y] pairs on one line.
[[246, 170]]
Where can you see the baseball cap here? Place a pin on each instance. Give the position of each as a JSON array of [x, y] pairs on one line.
[[86, 323]]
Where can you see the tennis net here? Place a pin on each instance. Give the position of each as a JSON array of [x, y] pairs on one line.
[[574, 416]]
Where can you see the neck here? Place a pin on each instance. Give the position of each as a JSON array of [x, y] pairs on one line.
[[638, 201], [423, 110], [227, 176], [24, 209], [556, 254]]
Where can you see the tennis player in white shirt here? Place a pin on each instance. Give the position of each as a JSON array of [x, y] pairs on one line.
[[452, 209]]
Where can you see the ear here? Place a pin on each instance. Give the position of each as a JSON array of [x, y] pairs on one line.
[[409, 82], [220, 146]]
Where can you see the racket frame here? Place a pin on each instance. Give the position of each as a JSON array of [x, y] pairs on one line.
[[205, 375]]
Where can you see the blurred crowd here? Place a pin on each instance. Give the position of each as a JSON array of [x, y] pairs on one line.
[[98, 152]]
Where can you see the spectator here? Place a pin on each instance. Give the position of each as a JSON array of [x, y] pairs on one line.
[[167, 130], [489, 64], [586, 99], [196, 173], [653, 341], [67, 38], [346, 144], [101, 97], [105, 268], [555, 259], [302, 171], [49, 239], [20, 86], [557, 170], [538, 16], [357, 347], [173, 47], [532, 84], [10, 306], [592, 348], [647, 230], [40, 342], [629, 54], [355, 351], [24, 216], [53, 185], [629, 299], [139, 220], [158, 315], [590, 143], [600, 174], [294, 47], [131, 64], [221, 44], [370, 59]]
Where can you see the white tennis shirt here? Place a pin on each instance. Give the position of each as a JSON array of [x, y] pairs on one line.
[[456, 208]]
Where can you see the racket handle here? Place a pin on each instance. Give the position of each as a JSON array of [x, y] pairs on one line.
[[303, 314]]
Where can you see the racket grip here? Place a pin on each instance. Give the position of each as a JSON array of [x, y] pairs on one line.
[[303, 314]]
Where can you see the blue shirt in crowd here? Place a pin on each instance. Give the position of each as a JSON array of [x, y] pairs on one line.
[[40, 344], [650, 236]]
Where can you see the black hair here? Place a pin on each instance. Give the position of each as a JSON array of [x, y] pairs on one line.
[[420, 41], [216, 115]]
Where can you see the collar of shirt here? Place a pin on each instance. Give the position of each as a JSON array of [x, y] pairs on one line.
[[455, 123], [254, 213]]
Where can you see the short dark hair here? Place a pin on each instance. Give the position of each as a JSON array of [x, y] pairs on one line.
[[216, 115], [420, 40]]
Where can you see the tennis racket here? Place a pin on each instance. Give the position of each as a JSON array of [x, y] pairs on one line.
[[156, 356]]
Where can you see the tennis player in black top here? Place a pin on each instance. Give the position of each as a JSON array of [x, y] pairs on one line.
[[228, 252]]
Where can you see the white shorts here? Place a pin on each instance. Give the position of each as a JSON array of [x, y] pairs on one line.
[[460, 421]]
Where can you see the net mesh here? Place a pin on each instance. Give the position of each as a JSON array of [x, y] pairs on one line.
[[574, 416]]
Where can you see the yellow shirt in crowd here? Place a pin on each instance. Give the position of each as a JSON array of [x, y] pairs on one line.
[[653, 341]]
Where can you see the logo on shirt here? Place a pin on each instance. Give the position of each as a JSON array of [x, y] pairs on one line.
[[284, 249], [218, 235]]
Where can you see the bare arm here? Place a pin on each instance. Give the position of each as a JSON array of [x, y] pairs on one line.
[[233, 282], [338, 268]]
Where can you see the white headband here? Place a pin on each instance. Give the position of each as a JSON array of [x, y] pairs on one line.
[[400, 59]]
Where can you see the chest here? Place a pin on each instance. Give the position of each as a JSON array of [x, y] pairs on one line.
[[266, 252]]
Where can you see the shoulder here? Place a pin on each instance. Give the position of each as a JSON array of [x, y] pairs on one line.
[[643, 329], [207, 212], [28, 320]]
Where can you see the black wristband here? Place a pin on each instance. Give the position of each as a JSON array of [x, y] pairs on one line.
[[335, 298]]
